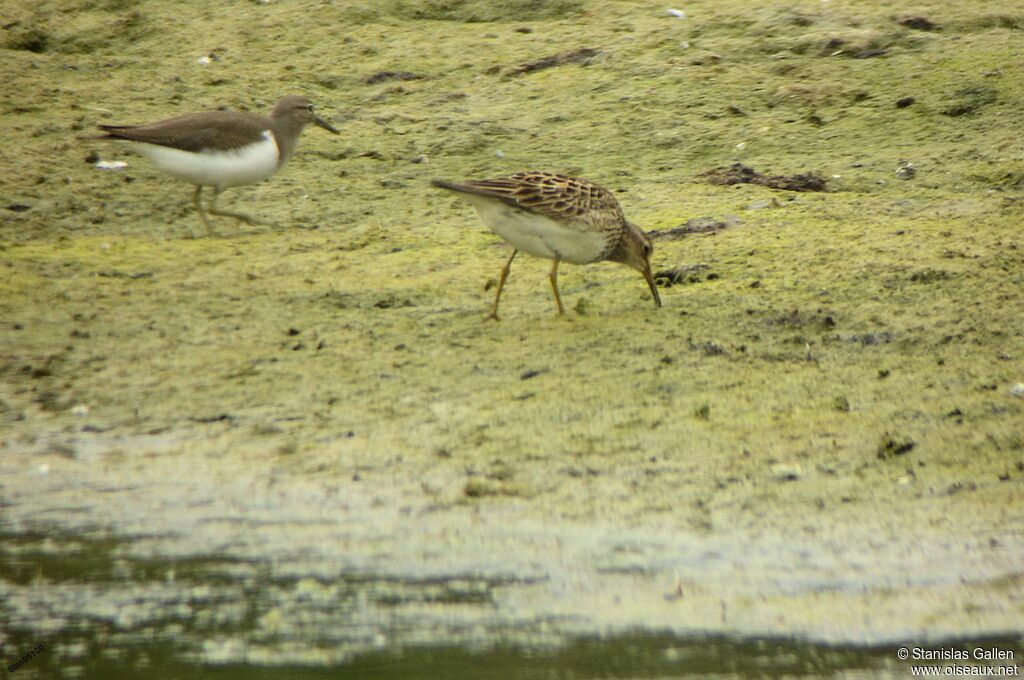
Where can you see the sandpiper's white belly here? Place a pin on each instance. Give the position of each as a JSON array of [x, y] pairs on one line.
[[248, 165], [538, 235]]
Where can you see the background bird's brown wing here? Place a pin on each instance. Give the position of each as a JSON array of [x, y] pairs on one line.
[[551, 195], [206, 131]]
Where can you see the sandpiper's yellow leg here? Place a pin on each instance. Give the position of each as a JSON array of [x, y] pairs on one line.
[[227, 213], [199, 209], [501, 284], [554, 284]]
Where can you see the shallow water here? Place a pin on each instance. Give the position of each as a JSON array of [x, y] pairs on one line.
[[99, 614], [188, 564]]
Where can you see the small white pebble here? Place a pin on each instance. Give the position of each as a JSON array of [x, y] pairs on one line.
[[787, 472], [677, 13], [499, 153], [79, 410], [43, 469], [205, 60], [906, 171], [1017, 390], [685, 44], [110, 165], [741, 146]]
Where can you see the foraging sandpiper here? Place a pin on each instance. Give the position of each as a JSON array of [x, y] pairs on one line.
[[560, 218], [221, 149]]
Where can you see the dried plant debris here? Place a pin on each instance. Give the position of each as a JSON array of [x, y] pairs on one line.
[[843, 47], [582, 55], [695, 225], [891, 445], [385, 76], [27, 38], [737, 173], [686, 273], [969, 100], [918, 23], [821, 317]]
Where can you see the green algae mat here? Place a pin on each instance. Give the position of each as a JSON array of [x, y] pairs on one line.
[[300, 450]]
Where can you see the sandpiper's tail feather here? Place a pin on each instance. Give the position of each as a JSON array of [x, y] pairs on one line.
[[451, 186]]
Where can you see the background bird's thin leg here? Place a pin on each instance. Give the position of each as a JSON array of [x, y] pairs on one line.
[[554, 284], [501, 284], [199, 209], [227, 213]]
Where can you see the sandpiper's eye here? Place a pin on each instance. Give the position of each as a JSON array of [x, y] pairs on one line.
[[648, 249], [310, 107]]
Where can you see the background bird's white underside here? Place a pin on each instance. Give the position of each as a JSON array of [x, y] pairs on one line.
[[248, 165], [538, 235]]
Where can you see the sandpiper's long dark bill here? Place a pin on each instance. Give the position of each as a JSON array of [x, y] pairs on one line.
[[559, 218], [222, 149]]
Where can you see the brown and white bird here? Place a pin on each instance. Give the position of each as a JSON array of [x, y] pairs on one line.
[[560, 218], [221, 149]]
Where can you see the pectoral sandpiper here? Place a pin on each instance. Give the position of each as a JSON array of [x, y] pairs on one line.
[[560, 218]]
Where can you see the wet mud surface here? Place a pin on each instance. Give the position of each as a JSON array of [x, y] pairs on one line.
[[301, 449]]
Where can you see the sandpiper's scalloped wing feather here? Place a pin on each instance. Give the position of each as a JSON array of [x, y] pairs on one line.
[[205, 131], [555, 196]]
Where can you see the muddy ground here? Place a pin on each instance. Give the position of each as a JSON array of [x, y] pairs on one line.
[[300, 443]]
